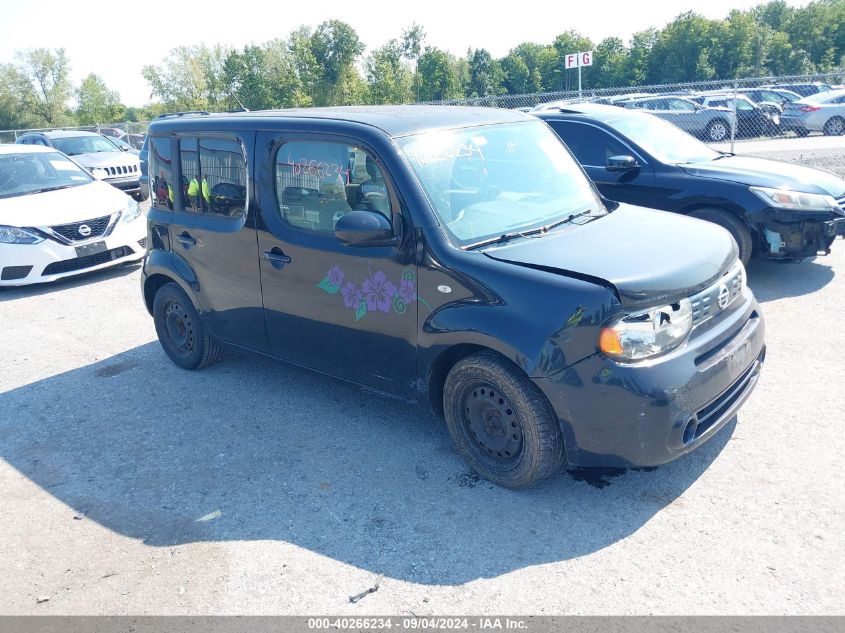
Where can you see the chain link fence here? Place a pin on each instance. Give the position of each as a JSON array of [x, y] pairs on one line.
[[131, 132], [799, 118]]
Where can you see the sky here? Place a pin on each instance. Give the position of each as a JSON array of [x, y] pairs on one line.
[[116, 40]]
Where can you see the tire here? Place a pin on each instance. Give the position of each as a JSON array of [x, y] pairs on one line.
[[835, 126], [180, 330], [500, 422], [717, 130], [734, 226]]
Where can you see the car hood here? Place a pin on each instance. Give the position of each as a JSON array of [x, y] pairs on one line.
[[75, 204], [762, 172], [106, 159], [647, 257]]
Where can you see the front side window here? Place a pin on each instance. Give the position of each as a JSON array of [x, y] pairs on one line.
[[317, 182], [487, 181], [214, 176], [22, 174], [590, 145], [161, 172]]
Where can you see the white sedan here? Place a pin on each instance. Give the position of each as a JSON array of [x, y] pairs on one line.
[[57, 220]]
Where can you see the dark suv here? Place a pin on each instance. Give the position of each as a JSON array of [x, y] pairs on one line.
[[466, 262]]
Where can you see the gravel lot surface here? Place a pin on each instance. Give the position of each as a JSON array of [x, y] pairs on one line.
[[130, 486]]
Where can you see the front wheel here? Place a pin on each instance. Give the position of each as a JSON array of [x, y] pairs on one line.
[[734, 226], [717, 130], [180, 330], [500, 422]]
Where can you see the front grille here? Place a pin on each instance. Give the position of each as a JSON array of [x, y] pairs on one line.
[[81, 263], [15, 272], [715, 411], [705, 304], [121, 170], [71, 232]]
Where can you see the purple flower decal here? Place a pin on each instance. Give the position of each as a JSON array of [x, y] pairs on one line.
[[408, 290], [378, 292], [335, 276], [352, 295]]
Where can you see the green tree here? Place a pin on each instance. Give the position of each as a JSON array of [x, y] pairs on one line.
[[388, 78], [307, 69], [49, 73], [639, 56], [17, 99], [191, 78], [412, 41], [564, 44], [610, 64], [439, 76], [336, 47], [96, 103], [262, 77], [682, 50], [485, 74]]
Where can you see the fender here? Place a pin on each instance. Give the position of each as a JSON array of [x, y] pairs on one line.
[[173, 266]]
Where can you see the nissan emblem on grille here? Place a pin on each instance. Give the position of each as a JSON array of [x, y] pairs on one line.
[[724, 296], [85, 231]]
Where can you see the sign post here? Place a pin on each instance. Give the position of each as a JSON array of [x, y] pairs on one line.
[[576, 60]]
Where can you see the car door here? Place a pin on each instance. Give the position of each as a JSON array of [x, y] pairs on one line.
[[342, 310], [217, 251], [592, 146]]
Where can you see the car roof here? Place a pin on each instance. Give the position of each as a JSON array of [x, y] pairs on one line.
[[597, 111], [9, 148], [395, 121]]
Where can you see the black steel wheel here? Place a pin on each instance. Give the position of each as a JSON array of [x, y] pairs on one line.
[[180, 330], [500, 422]]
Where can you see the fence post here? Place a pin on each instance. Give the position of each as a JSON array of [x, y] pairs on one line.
[[735, 123]]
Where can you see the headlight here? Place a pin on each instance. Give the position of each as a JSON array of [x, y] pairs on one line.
[[650, 333], [795, 200], [14, 235], [133, 210]]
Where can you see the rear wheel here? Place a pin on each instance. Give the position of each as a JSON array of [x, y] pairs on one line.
[[835, 126], [717, 130], [500, 422], [734, 226], [180, 330]]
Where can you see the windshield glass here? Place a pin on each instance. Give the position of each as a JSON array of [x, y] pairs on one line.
[[487, 181], [25, 173], [663, 140], [73, 145]]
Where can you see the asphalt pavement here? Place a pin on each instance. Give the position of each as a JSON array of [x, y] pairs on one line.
[[128, 485]]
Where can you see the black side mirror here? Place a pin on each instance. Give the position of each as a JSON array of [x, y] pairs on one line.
[[364, 228], [621, 163]]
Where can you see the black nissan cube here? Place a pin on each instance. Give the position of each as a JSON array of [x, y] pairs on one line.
[[458, 258]]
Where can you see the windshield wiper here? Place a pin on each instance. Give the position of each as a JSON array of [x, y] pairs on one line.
[[44, 189], [506, 237]]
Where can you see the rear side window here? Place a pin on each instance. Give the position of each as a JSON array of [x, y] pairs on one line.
[[317, 182], [161, 173], [214, 176]]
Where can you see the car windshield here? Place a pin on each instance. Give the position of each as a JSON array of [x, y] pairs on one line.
[[663, 140], [28, 173], [74, 145], [488, 181]]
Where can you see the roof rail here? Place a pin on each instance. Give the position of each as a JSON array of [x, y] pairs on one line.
[[187, 112]]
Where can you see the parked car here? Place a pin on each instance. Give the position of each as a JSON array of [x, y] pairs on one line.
[[822, 112], [751, 119], [804, 89], [144, 177], [92, 150], [771, 95], [57, 220], [714, 124], [773, 209], [467, 268], [135, 140]]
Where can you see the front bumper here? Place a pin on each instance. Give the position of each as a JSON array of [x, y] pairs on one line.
[[791, 235], [128, 185], [23, 264], [649, 413]]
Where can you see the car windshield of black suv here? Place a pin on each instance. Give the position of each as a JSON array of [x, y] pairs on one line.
[[663, 140], [23, 174], [488, 181], [73, 145]]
